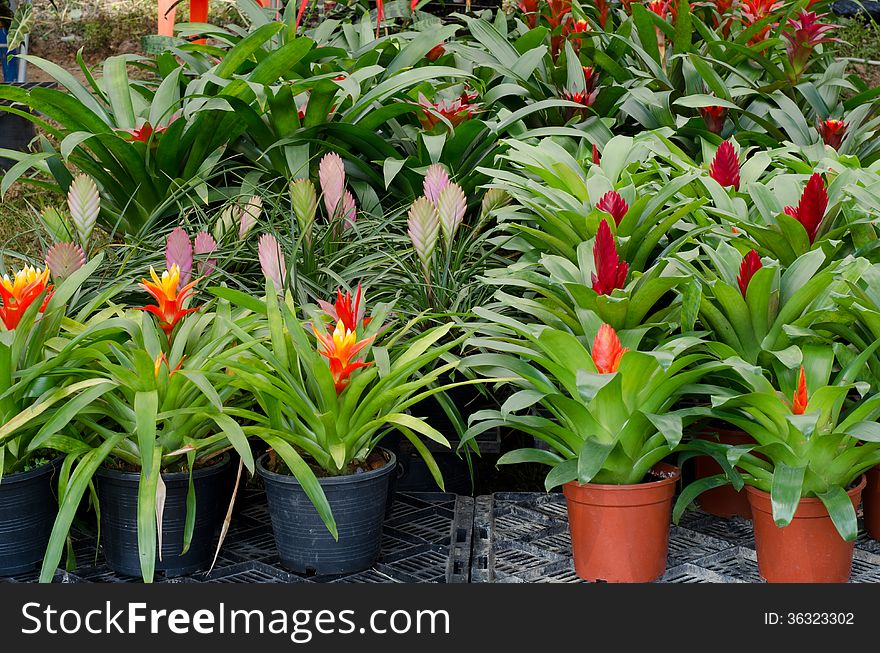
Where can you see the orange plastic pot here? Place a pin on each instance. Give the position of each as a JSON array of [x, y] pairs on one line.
[[722, 501], [620, 533], [809, 549], [871, 503]]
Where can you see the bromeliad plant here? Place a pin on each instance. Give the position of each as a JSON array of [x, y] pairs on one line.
[[810, 441], [328, 393], [451, 250], [43, 380], [605, 411], [168, 409], [755, 307]]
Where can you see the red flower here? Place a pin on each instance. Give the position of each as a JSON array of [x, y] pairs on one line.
[[714, 117], [832, 132], [811, 209], [751, 263], [530, 9], [435, 53], [576, 27], [725, 166], [614, 205], [757, 10], [607, 351], [800, 399], [350, 313], [597, 158], [146, 130], [169, 297], [806, 33], [340, 347], [455, 111], [610, 269], [659, 7], [21, 291], [602, 9]]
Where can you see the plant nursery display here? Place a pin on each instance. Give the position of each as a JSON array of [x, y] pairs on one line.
[[634, 243]]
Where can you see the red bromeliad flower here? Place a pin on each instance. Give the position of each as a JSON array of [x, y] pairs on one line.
[[456, 111], [560, 11], [350, 313], [832, 132], [725, 166], [145, 131], [806, 32], [602, 9], [169, 297], [610, 269], [811, 209], [757, 10], [607, 350], [751, 263], [21, 291], [714, 117], [584, 98], [614, 205], [659, 7], [340, 348], [435, 53], [800, 400], [530, 9], [597, 158]]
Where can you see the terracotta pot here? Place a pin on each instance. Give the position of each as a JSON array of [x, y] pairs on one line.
[[619, 533], [809, 549], [722, 501], [871, 503]]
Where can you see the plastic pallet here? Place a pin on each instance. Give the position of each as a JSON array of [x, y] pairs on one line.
[[524, 538], [426, 539]]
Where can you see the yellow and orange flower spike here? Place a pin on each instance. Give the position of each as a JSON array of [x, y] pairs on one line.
[[607, 350], [169, 309], [800, 399], [340, 347], [162, 358], [21, 291]]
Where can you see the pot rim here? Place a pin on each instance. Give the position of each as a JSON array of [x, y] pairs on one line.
[[21, 477], [635, 487], [329, 480], [217, 467], [857, 488]]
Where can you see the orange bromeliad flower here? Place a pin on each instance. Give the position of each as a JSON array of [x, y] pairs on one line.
[[20, 292], [169, 297], [800, 400], [607, 351], [340, 348]]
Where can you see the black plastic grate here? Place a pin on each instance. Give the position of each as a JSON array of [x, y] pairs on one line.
[[426, 539], [524, 538]]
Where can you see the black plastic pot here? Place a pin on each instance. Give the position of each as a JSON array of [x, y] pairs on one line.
[[16, 132], [358, 504], [117, 494], [28, 507]]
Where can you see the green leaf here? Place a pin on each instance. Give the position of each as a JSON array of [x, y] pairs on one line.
[[785, 492], [842, 512], [418, 425], [693, 490], [563, 473], [146, 407], [591, 459]]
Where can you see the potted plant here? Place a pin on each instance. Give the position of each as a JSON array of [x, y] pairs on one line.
[[805, 472], [747, 302], [605, 414], [42, 386], [157, 441], [326, 395]]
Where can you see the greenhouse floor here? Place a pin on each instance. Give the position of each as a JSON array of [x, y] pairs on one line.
[[499, 538]]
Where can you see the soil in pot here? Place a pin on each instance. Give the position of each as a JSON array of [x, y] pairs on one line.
[[117, 494], [722, 501], [620, 533], [358, 502], [871, 503], [809, 549], [28, 506]]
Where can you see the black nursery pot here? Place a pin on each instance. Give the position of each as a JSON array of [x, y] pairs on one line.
[[118, 497], [358, 504], [28, 507]]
